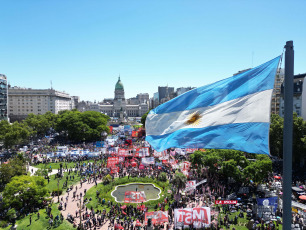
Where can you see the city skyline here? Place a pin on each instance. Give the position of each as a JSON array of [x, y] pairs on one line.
[[82, 47]]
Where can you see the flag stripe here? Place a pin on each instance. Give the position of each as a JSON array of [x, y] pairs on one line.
[[254, 80], [248, 137], [241, 110]]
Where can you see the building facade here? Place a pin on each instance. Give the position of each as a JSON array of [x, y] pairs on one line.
[[299, 97], [165, 93], [121, 108], [23, 101], [3, 97], [276, 96]]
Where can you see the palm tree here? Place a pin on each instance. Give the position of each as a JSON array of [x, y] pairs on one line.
[[179, 181]]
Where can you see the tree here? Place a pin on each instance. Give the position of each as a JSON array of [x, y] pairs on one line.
[[143, 119], [162, 176], [86, 126], [13, 134], [179, 181], [39, 124], [230, 169], [197, 159], [15, 167], [232, 163], [299, 133], [276, 135], [25, 192], [259, 169]]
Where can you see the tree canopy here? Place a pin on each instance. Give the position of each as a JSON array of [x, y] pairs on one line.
[[299, 136], [86, 126], [179, 181], [25, 192], [15, 167], [143, 118], [72, 124], [13, 134], [234, 164]]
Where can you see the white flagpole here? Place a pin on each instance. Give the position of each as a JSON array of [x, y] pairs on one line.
[[288, 134]]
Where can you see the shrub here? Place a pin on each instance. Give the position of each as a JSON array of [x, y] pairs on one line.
[[56, 191], [3, 224], [162, 176], [41, 172], [107, 179]]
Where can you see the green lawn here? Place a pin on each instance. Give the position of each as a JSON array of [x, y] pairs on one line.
[[42, 222], [242, 222], [54, 165], [53, 182], [57, 165]]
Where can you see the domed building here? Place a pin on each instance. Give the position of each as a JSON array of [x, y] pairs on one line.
[[121, 108]]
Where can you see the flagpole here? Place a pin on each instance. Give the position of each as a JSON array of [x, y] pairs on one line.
[[287, 135]]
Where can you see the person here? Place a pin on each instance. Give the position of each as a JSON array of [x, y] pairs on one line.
[[38, 215], [30, 220], [50, 222]]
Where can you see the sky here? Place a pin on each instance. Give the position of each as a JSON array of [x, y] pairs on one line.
[[83, 46]]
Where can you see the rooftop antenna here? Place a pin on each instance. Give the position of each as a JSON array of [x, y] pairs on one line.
[[51, 84]]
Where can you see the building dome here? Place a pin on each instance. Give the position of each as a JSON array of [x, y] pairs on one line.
[[119, 84]]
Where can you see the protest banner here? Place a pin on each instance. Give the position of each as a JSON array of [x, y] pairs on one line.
[[112, 161], [196, 217], [158, 217], [226, 201], [134, 197], [147, 161], [122, 152], [190, 150], [190, 185]]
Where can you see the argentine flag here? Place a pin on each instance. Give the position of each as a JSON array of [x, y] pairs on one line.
[[233, 113]]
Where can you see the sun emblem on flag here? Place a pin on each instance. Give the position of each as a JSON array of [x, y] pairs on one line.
[[194, 119]]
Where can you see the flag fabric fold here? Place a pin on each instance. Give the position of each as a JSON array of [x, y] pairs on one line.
[[233, 113]]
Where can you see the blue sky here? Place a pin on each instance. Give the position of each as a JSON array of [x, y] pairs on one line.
[[82, 46]]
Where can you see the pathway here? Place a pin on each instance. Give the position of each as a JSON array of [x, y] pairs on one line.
[[72, 204], [32, 170]]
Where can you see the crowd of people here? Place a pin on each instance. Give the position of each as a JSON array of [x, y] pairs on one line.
[[73, 203]]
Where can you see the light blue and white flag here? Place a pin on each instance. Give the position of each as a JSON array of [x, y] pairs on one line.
[[233, 113]]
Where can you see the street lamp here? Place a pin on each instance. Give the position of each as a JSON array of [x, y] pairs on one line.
[[58, 181]]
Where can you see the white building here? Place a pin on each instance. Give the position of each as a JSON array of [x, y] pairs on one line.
[[3, 97], [23, 101], [120, 108]]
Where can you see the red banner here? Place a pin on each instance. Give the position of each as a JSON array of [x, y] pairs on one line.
[[134, 134], [112, 161], [134, 197], [198, 217], [226, 201], [112, 164], [158, 217], [122, 152], [114, 170], [190, 150]]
